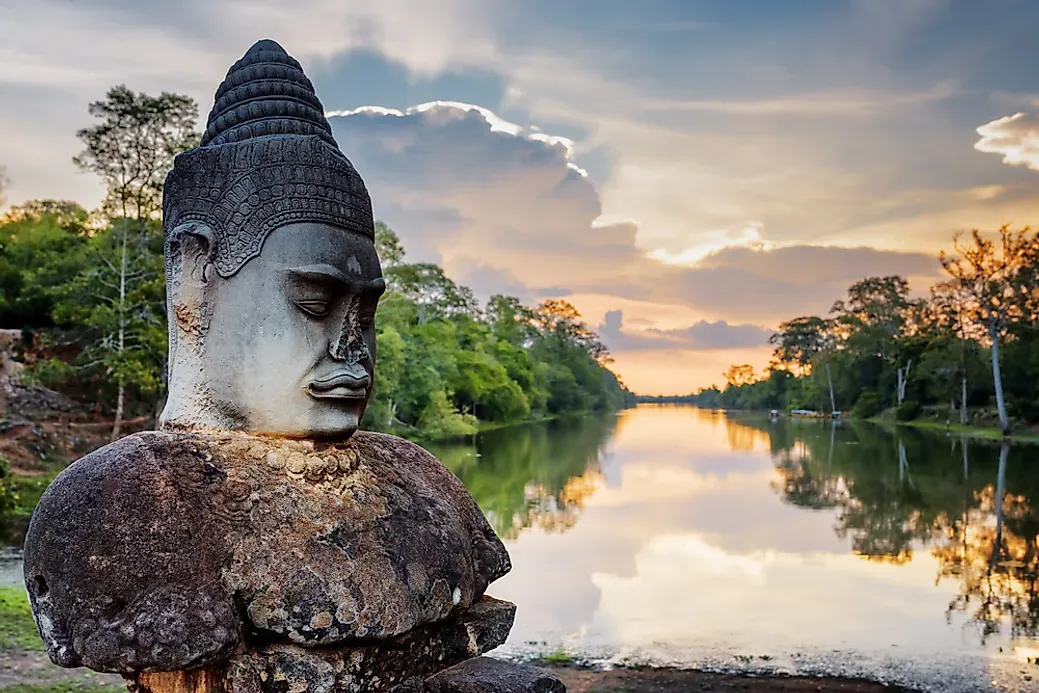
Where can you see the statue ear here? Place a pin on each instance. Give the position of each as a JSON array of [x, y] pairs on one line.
[[191, 248], [190, 252]]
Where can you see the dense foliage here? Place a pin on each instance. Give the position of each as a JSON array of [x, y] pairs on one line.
[[970, 345]]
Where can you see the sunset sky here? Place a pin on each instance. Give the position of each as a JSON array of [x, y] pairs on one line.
[[687, 173]]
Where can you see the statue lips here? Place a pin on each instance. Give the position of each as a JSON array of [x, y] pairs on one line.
[[340, 386]]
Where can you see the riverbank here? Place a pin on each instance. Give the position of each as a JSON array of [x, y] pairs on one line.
[[966, 431], [667, 680], [886, 420]]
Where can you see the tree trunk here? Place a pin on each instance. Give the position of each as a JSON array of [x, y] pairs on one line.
[[121, 345], [966, 464], [997, 379], [829, 381], [963, 400], [118, 412], [903, 378]]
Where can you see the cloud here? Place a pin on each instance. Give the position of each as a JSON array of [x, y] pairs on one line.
[[501, 205], [1015, 137], [701, 336]]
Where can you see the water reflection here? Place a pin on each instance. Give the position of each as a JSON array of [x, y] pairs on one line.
[[533, 476], [972, 505], [686, 536]]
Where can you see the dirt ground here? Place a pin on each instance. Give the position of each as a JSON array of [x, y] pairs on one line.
[[682, 681]]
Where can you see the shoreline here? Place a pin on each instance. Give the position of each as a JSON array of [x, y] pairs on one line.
[[971, 431], [580, 679]]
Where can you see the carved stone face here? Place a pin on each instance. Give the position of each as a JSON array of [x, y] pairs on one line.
[[289, 348]]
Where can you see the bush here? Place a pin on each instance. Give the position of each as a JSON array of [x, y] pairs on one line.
[[440, 419], [8, 497], [868, 405], [908, 410], [52, 373]]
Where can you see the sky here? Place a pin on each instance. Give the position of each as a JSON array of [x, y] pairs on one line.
[[687, 173]]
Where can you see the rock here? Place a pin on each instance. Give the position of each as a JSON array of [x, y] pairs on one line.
[[488, 675], [398, 665], [166, 551]]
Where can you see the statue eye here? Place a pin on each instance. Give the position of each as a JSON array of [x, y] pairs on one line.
[[367, 320], [315, 308]]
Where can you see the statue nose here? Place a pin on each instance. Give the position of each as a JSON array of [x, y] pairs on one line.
[[349, 345]]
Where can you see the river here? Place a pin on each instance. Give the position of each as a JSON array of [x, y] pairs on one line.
[[674, 535]]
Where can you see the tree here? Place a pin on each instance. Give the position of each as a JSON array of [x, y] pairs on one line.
[[738, 376], [131, 149], [949, 316], [560, 322], [803, 341], [42, 245], [435, 294], [510, 320], [387, 246], [875, 316], [988, 271]]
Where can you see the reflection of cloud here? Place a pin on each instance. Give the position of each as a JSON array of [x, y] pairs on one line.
[[1015, 137], [687, 591]]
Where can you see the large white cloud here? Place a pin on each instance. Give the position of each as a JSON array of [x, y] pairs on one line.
[[1015, 138]]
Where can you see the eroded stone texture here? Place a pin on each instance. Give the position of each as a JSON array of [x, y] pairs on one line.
[[487, 675], [165, 551], [396, 665]]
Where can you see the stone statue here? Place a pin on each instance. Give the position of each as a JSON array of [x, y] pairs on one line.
[[258, 541]]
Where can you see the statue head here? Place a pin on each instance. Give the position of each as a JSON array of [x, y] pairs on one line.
[[271, 271]]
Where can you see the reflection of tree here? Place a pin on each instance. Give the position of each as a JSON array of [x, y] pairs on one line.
[[973, 507], [997, 563], [532, 476]]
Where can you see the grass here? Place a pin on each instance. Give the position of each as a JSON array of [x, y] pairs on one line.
[[63, 687], [969, 431], [558, 658], [17, 628]]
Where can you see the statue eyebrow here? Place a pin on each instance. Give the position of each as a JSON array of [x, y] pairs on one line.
[[329, 274]]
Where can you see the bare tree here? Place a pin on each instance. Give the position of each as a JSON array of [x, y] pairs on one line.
[[987, 271]]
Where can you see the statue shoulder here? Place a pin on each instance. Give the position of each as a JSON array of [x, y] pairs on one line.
[[401, 448], [118, 537]]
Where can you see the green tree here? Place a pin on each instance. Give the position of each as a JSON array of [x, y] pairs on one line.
[[802, 342], [42, 244]]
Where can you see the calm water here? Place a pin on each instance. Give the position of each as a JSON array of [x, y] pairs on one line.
[[681, 536], [677, 535]]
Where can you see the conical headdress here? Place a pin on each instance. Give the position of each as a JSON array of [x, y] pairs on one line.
[[267, 159]]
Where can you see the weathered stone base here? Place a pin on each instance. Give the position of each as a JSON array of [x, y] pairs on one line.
[[380, 666], [486, 675]]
